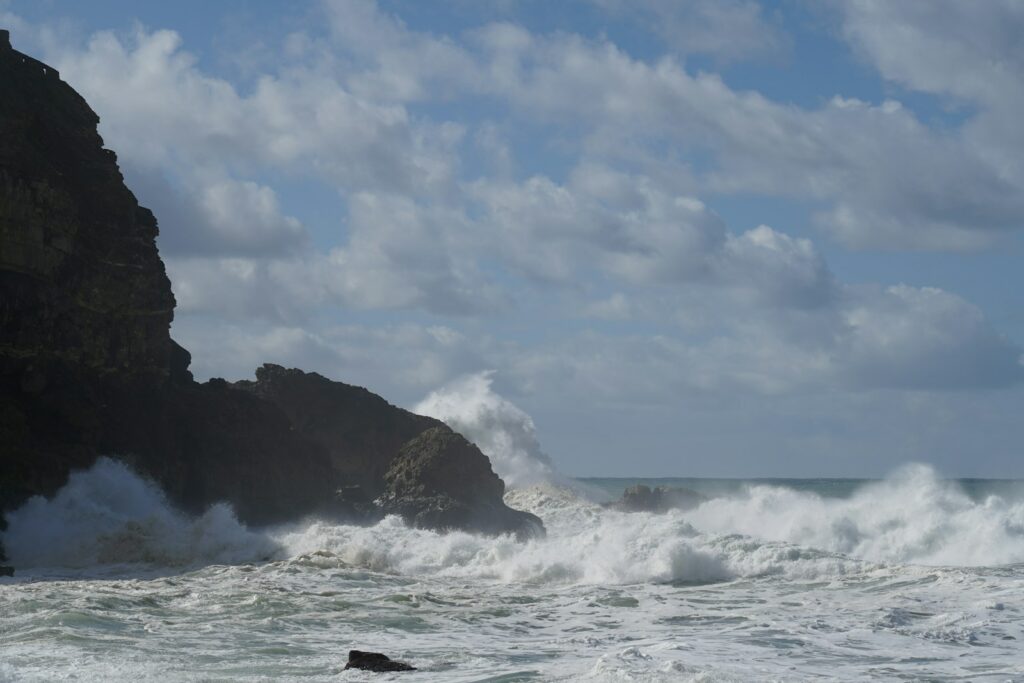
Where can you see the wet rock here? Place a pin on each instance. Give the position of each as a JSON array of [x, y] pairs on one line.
[[375, 661], [6, 571], [354, 504], [641, 498], [440, 480]]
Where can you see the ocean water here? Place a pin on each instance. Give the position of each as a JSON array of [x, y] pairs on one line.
[[907, 578]]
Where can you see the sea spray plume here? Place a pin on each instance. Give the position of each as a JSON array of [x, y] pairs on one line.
[[503, 431], [110, 515]]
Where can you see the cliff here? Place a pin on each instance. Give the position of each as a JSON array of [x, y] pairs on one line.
[[88, 367]]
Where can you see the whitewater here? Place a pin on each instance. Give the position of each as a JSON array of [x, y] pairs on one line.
[[909, 578]]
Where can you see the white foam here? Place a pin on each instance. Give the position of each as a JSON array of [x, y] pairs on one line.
[[585, 545], [110, 515], [911, 517]]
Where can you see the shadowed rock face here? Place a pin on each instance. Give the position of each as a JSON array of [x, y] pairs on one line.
[[442, 481], [360, 431], [88, 367], [81, 276]]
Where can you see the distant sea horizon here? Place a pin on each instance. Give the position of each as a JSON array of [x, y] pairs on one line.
[[830, 487]]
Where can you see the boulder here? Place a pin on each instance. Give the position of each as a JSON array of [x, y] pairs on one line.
[[440, 480], [641, 498], [375, 661]]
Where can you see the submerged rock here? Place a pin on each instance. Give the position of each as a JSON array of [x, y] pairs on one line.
[[440, 480], [375, 661], [641, 498]]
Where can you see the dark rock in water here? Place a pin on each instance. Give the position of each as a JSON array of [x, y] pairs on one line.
[[641, 498], [375, 661], [88, 367], [6, 571], [440, 480]]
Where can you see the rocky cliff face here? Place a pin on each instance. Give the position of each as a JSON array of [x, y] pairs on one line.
[[87, 365], [80, 272], [84, 293]]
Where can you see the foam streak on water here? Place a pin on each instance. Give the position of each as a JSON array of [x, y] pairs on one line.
[[905, 579]]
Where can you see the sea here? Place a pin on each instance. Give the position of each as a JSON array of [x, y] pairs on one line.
[[911, 577]]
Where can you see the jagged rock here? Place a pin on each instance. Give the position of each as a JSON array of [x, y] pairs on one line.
[[360, 431], [375, 661], [440, 480], [88, 367], [641, 498]]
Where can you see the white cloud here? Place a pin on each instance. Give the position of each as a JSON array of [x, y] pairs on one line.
[[726, 29], [619, 233], [924, 338], [965, 52], [401, 254]]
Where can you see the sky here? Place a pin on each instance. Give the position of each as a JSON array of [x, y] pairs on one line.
[[699, 238]]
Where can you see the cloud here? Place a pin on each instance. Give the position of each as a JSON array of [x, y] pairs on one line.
[[923, 338], [967, 54], [214, 215], [628, 230], [404, 255], [892, 181], [640, 291], [726, 29]]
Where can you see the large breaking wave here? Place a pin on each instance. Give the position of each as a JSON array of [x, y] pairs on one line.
[[110, 516]]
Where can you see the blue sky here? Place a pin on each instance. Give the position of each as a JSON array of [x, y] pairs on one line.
[[688, 238]]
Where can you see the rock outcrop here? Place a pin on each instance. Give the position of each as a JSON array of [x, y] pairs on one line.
[[440, 480], [375, 661], [88, 367], [641, 498], [353, 425]]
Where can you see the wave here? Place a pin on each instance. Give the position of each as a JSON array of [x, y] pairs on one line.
[[503, 431], [110, 516], [912, 517]]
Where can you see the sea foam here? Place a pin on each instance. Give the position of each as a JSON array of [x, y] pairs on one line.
[[913, 516], [110, 515]]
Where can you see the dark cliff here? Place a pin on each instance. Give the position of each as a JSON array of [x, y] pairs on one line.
[[88, 367]]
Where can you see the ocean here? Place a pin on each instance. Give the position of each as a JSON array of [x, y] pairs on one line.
[[912, 577]]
